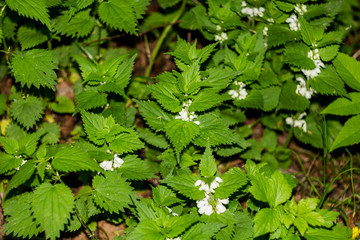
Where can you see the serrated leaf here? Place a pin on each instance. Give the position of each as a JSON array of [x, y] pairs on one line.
[[281, 34], [28, 144], [296, 54], [34, 67], [155, 117], [202, 231], [206, 100], [328, 53], [79, 25], [218, 78], [168, 3], [118, 14], [332, 38], [207, 164], [313, 134], [52, 205], [164, 196], [52, 133], [336, 233], [27, 111], [152, 138], [181, 133], [90, 99], [163, 92], [344, 106], [62, 105], [18, 210], [126, 142], [21, 176], [9, 144], [111, 192], [35, 9], [8, 162], [328, 82], [301, 224], [29, 36], [267, 220], [307, 32], [349, 134], [289, 100], [72, 159], [135, 168], [349, 70], [146, 229], [184, 184], [233, 180]]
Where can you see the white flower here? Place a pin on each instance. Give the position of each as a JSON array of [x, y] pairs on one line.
[[293, 23], [220, 208], [185, 115], [218, 28], [221, 38], [315, 56], [239, 94], [265, 31], [243, 4], [170, 211], [112, 164], [107, 165], [117, 161], [253, 12], [270, 20], [302, 90], [300, 9], [22, 163], [299, 122]]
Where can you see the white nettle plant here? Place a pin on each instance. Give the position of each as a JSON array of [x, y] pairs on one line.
[[239, 94], [186, 115], [299, 122], [111, 165]]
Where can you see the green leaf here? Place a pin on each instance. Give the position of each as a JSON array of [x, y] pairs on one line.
[[184, 184], [155, 117], [181, 133], [18, 210], [307, 32], [281, 34], [349, 70], [244, 226], [52, 133], [135, 168], [349, 134], [328, 82], [206, 100], [126, 142], [21, 176], [72, 159], [28, 144], [34, 67], [27, 111], [301, 224], [79, 25], [111, 192], [8, 162], [9, 144], [328, 53], [313, 134], [233, 180], [296, 54], [167, 3], [218, 78], [267, 220], [163, 92], [164, 196], [202, 231], [152, 138], [289, 100], [344, 106], [29, 36], [147, 229], [334, 37], [35, 9], [118, 14], [207, 164], [52, 205], [274, 190], [62, 105], [90, 99], [3, 106], [336, 233]]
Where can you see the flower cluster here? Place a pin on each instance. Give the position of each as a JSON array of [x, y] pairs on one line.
[[293, 22], [221, 37], [302, 90], [314, 55], [22, 163], [112, 164], [300, 9], [206, 205], [299, 122], [252, 12], [239, 94], [185, 115]]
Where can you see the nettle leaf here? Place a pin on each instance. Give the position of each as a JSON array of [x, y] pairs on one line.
[[62, 105], [163, 92], [296, 54], [153, 138], [336, 233], [313, 134], [328, 82], [328, 53], [206, 100], [52, 205], [281, 34], [126, 142], [349, 134], [307, 32], [184, 184], [181, 133], [168, 3], [334, 37], [111, 192], [233, 180], [267, 220], [344, 106], [274, 190], [135, 168], [146, 229], [52, 133], [35, 9], [202, 231], [72, 159], [29, 36], [79, 25], [28, 144], [35, 67], [289, 100], [27, 111], [90, 99], [21, 176], [155, 117], [8, 162], [207, 164], [18, 210], [348, 69], [218, 79], [9, 144], [164, 196]]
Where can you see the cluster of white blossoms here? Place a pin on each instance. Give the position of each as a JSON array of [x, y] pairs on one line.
[[221, 37], [293, 22], [207, 204], [314, 55], [302, 90], [185, 115], [112, 164], [299, 122], [239, 94], [300, 9], [265, 32], [252, 12], [22, 163]]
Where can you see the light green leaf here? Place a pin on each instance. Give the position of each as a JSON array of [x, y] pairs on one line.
[[181, 133], [27, 111], [267, 220], [206, 100], [52, 133], [9, 144], [29, 36], [344, 106], [164, 196], [307, 32], [202, 231], [135, 168], [147, 229], [79, 25], [155, 117], [349, 134], [90, 99], [328, 82], [307, 205], [168, 3], [111, 192], [35, 9], [233, 180], [163, 92], [296, 54], [62, 105], [184, 184], [328, 53], [349, 70], [126, 142], [34, 67], [8, 162], [301, 224], [336, 233], [207, 164], [152, 138], [52, 205]]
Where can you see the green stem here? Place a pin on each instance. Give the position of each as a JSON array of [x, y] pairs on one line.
[[91, 235], [288, 138], [306, 175], [162, 38]]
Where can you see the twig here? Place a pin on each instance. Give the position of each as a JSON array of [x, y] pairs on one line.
[[356, 54]]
